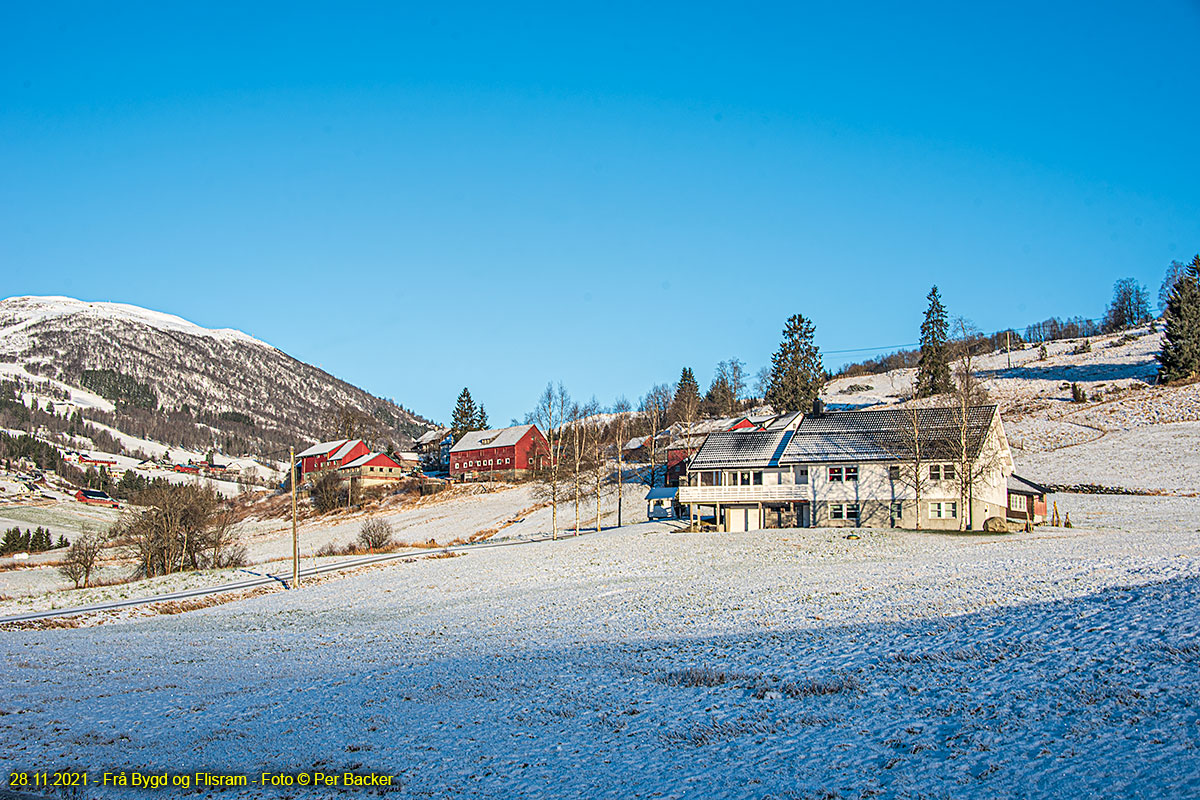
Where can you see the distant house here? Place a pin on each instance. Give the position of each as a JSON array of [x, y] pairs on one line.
[[95, 497], [1026, 501], [433, 448], [372, 469], [330, 455], [514, 450], [844, 468]]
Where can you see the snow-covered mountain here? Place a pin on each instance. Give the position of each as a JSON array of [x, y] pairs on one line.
[[159, 373]]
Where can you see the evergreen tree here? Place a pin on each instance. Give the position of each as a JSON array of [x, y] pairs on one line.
[[1180, 356], [481, 419], [797, 376], [686, 404], [933, 367], [466, 415]]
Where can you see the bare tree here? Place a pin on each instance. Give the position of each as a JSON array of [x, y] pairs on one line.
[[375, 534], [971, 460], [620, 428], [81, 558], [913, 453], [550, 415], [655, 407], [583, 433], [175, 531], [734, 373]]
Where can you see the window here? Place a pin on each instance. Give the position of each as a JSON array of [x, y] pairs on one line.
[[802, 475], [1017, 502], [837, 511], [852, 511], [508, 461], [894, 472], [835, 475], [947, 472], [935, 472], [897, 511], [942, 510], [851, 473], [745, 481], [757, 478]]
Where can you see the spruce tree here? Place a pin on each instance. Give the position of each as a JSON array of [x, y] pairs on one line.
[[1179, 359], [797, 376], [481, 419], [465, 415], [686, 404], [933, 368]]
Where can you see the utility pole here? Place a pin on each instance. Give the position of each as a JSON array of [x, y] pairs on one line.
[[295, 535]]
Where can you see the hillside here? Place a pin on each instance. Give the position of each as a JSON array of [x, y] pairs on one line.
[[157, 376], [1128, 432]]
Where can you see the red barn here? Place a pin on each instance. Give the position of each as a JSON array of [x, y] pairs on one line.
[[330, 455], [95, 497], [516, 450]]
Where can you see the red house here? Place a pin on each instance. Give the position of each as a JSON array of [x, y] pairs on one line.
[[95, 497], [330, 455], [516, 450]]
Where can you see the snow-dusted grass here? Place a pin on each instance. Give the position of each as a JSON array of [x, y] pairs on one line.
[[901, 664], [1160, 457]]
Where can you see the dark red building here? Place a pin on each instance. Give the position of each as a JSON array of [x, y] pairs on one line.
[[330, 455], [517, 449]]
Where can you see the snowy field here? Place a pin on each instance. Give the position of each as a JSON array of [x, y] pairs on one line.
[[1162, 457], [648, 662], [494, 513]]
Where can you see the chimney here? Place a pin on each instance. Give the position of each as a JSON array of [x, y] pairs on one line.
[[818, 407]]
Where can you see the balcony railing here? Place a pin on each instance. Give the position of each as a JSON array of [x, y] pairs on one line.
[[743, 494]]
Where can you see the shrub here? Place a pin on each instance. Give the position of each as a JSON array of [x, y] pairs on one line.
[[1077, 394], [328, 493], [375, 534]]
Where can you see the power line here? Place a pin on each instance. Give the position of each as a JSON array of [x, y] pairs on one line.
[[1072, 320]]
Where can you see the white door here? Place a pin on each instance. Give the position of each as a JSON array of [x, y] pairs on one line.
[[735, 519]]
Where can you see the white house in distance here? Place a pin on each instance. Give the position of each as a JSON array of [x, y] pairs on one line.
[[852, 468]]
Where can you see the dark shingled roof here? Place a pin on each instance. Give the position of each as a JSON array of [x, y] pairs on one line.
[[1019, 485], [740, 449], [885, 434]]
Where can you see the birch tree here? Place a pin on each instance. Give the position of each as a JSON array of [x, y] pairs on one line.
[[620, 428], [913, 452], [550, 415], [581, 430], [655, 406], [971, 462]]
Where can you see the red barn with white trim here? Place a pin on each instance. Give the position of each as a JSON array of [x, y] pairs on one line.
[[517, 450]]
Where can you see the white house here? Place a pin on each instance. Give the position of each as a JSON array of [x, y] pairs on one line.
[[854, 468]]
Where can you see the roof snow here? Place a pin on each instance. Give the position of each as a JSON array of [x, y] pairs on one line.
[[322, 448], [502, 437]]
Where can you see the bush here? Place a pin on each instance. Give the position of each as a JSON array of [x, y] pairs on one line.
[[328, 493], [375, 534], [1077, 394]]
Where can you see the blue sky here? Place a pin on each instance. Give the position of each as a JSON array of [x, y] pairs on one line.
[[418, 198]]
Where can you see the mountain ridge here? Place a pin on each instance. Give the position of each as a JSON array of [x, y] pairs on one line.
[[221, 384]]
